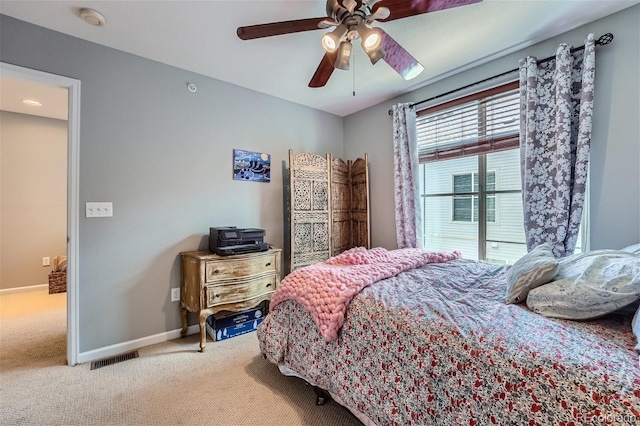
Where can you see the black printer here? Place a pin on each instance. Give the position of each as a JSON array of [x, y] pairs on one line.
[[230, 240]]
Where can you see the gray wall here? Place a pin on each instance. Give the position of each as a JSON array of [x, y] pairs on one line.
[[163, 156], [615, 149], [33, 208]]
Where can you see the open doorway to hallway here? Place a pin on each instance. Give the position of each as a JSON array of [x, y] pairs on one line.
[[33, 203], [39, 123]]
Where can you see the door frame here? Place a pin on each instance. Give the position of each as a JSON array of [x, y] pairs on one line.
[[73, 202]]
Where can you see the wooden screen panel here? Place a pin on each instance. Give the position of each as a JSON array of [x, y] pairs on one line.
[[360, 219], [309, 209], [340, 207]]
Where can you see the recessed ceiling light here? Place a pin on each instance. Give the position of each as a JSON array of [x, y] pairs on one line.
[[93, 17], [31, 102]]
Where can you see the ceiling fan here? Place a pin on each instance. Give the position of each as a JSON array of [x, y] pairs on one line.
[[353, 20]]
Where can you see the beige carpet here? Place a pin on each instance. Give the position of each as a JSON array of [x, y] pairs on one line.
[[169, 384]]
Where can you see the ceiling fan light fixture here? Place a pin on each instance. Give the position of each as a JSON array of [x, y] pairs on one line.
[[331, 41], [371, 37], [344, 55], [375, 55], [371, 41]]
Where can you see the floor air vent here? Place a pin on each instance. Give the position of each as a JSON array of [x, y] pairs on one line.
[[113, 360]]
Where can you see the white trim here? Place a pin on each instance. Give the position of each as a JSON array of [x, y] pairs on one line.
[[73, 222], [24, 289], [73, 168], [131, 345]]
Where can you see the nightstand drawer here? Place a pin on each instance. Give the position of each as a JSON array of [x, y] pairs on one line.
[[241, 290], [235, 268]]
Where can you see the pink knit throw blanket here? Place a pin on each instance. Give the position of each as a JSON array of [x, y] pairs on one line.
[[326, 288]]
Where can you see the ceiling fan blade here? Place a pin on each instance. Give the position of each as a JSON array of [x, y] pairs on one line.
[[324, 70], [398, 58], [278, 28], [405, 8]]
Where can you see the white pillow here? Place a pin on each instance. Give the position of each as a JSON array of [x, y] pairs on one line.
[[589, 285], [532, 270]]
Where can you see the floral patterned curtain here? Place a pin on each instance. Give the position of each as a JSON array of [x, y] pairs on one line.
[[406, 184], [556, 105]]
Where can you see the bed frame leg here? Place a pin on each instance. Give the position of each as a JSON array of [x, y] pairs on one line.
[[321, 395]]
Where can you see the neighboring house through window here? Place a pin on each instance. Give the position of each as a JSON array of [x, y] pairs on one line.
[[465, 205]]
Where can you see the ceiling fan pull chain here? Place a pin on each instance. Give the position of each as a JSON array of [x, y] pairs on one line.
[[354, 74]]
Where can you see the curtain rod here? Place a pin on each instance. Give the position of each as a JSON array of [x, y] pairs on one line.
[[602, 40]]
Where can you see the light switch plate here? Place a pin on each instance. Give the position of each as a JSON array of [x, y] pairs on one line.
[[99, 209]]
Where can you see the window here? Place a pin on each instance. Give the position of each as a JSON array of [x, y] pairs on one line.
[[465, 207], [470, 176]]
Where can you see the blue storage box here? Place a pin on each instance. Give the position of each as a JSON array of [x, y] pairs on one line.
[[228, 326], [235, 318]]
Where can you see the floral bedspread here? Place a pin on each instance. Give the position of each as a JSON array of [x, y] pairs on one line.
[[437, 345], [326, 288]]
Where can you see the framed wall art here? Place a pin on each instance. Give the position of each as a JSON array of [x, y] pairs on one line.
[[251, 166]]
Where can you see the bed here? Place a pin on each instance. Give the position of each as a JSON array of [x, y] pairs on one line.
[[437, 344]]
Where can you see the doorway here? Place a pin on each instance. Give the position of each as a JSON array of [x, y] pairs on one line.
[[73, 134]]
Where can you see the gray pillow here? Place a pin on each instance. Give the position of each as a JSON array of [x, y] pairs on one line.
[[532, 270]]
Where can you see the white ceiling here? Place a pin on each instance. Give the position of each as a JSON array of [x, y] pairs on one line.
[[200, 36]]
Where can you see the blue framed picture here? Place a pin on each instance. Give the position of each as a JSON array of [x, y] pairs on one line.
[[251, 166]]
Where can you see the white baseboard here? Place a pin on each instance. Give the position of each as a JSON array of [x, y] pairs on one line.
[[120, 348], [23, 289]]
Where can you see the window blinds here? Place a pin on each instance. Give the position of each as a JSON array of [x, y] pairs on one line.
[[476, 124]]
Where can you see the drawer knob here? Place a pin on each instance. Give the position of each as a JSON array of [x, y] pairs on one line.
[[216, 271], [269, 285], [217, 295], [268, 264]]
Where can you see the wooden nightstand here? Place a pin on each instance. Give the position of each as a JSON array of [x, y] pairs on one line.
[[212, 283]]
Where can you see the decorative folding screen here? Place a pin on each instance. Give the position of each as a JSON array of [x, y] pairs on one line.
[[328, 207]]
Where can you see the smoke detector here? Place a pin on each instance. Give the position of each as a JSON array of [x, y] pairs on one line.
[[93, 17]]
